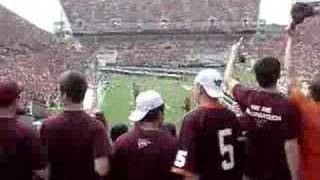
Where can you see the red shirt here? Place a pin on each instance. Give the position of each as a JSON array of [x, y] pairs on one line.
[[270, 120], [208, 145], [20, 151], [74, 140], [144, 155], [310, 111]]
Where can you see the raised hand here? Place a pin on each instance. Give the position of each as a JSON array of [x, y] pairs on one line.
[[290, 29], [235, 49], [229, 81]]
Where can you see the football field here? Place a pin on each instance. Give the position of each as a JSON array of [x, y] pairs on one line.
[[117, 100]]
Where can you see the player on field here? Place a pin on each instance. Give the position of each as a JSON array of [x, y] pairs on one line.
[[208, 146], [272, 122], [146, 152], [310, 110], [77, 144]]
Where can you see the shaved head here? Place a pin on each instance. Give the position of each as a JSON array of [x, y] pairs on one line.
[[74, 85]]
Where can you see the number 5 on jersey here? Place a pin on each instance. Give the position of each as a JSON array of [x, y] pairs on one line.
[[226, 149], [181, 159]]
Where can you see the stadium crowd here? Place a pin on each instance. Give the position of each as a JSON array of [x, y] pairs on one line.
[[36, 66], [276, 138]]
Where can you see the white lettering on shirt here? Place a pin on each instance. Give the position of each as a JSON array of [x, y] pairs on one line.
[[262, 113], [142, 143]]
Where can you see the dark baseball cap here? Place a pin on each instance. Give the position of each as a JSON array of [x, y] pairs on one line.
[[9, 91]]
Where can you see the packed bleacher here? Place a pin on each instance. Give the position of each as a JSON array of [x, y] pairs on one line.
[[34, 58], [37, 72], [305, 43]]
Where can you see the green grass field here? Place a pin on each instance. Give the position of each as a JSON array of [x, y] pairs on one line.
[[117, 102]]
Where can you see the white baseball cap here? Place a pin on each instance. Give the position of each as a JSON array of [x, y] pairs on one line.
[[145, 102], [211, 80]]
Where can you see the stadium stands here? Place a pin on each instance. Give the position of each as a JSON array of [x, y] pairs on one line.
[[33, 58], [306, 47], [155, 32]]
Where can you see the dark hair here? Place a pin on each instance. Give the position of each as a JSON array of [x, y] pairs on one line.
[[9, 93], [300, 11], [154, 114], [171, 128], [267, 71], [117, 131], [74, 84], [315, 88]]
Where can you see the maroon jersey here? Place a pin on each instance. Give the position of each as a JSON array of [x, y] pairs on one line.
[[270, 120], [208, 145], [20, 151], [144, 155], [74, 140]]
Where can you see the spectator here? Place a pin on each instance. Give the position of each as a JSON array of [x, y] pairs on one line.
[[118, 130], [301, 11], [271, 120], [208, 146], [171, 128], [145, 152], [20, 152], [77, 144], [310, 110]]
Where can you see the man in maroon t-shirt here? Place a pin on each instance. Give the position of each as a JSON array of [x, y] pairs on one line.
[[77, 144], [20, 151], [146, 152], [208, 146], [271, 121]]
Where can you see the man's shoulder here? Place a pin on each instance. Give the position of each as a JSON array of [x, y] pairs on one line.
[[256, 92], [53, 119], [52, 122], [24, 129], [241, 93], [194, 114], [194, 119], [167, 137], [123, 140], [172, 141], [95, 124], [58, 119], [198, 112], [283, 101], [226, 113], [243, 88]]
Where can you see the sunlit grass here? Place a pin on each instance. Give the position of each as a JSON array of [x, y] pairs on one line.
[[118, 102]]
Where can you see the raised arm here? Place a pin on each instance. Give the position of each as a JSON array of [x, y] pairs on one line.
[[288, 61], [229, 80]]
